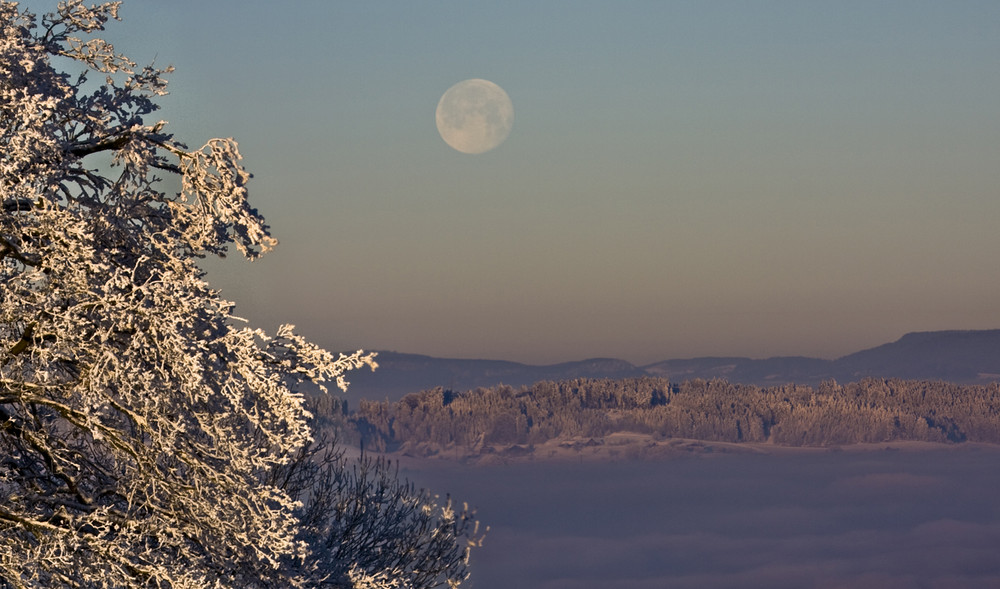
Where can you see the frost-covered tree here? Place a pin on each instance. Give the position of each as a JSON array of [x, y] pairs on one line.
[[365, 525], [140, 422]]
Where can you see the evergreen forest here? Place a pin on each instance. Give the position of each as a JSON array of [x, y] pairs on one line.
[[867, 411]]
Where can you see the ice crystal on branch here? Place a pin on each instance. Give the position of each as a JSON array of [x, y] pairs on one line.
[[139, 423]]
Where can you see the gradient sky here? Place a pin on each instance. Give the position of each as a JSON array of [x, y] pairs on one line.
[[682, 179]]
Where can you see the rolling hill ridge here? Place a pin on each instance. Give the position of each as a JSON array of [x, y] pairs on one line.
[[962, 357]]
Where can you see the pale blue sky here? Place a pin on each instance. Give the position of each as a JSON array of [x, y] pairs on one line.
[[682, 178]]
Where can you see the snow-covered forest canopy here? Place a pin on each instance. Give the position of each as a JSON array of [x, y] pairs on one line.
[[148, 437], [871, 410]]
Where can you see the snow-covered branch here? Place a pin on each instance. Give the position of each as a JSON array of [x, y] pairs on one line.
[[138, 422]]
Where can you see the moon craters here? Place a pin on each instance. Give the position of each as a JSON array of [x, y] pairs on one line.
[[474, 116]]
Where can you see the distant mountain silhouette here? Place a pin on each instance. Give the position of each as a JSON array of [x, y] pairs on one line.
[[964, 357], [779, 370], [954, 356], [399, 374]]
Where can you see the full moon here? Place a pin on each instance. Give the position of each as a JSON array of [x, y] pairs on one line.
[[474, 116]]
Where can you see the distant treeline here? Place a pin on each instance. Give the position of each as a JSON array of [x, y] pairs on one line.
[[872, 410]]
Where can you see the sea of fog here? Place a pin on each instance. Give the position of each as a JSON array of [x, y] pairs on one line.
[[880, 519]]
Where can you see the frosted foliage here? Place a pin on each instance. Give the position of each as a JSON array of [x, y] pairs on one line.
[[138, 418], [362, 580], [371, 529]]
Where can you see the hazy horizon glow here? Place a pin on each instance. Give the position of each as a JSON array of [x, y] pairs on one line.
[[684, 178]]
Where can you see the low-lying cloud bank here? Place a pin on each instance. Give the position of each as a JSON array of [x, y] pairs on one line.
[[884, 519]]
